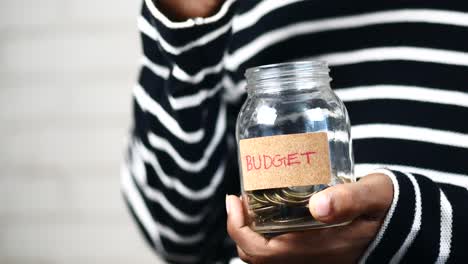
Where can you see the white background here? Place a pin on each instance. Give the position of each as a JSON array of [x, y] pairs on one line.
[[67, 68]]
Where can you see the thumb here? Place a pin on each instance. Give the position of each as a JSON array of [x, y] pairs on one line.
[[369, 197]]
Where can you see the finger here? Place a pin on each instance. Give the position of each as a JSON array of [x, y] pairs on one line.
[[249, 241], [242, 255], [371, 196]]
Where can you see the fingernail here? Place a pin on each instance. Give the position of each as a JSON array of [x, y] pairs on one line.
[[227, 204], [321, 205]]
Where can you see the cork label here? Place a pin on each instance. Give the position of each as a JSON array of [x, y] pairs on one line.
[[285, 161]]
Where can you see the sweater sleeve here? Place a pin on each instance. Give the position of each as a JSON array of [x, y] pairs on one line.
[[173, 179], [426, 223]]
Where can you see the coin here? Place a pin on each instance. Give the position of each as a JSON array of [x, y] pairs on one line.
[[287, 200], [256, 206], [282, 205], [301, 189], [271, 198], [266, 209], [289, 220], [297, 195], [259, 198]]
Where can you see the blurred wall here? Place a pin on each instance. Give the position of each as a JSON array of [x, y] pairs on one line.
[[66, 73]]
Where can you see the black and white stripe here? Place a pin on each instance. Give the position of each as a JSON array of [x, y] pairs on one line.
[[400, 68]]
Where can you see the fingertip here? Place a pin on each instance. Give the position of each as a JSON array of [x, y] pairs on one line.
[[235, 211], [237, 226]]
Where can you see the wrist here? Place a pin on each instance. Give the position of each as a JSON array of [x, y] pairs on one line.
[[181, 10]]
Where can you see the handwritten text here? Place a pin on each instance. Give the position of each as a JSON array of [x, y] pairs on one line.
[[266, 162]]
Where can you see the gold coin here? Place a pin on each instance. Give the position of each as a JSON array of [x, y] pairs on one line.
[[290, 201], [271, 199], [256, 206], [289, 220], [297, 195], [265, 209], [259, 198]]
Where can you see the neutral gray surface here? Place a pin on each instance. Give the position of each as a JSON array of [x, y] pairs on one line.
[[66, 73]]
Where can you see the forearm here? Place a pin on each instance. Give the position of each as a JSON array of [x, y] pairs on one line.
[[177, 159], [425, 223]]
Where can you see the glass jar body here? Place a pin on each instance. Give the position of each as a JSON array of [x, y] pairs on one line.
[[297, 107]]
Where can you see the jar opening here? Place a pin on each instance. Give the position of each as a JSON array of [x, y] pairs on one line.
[[287, 76]]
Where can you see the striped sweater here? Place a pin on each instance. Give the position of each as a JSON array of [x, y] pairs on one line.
[[401, 67]]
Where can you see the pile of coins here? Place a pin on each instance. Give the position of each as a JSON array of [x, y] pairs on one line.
[[281, 206]]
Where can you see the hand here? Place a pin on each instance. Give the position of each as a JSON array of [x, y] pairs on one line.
[[180, 10], [365, 203]]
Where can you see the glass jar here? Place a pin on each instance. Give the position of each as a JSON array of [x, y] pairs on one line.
[[293, 136]]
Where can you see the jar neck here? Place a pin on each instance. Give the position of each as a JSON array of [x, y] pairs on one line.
[[287, 77]]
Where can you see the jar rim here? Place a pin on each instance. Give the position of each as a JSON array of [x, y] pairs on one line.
[[296, 75], [292, 65], [317, 66]]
